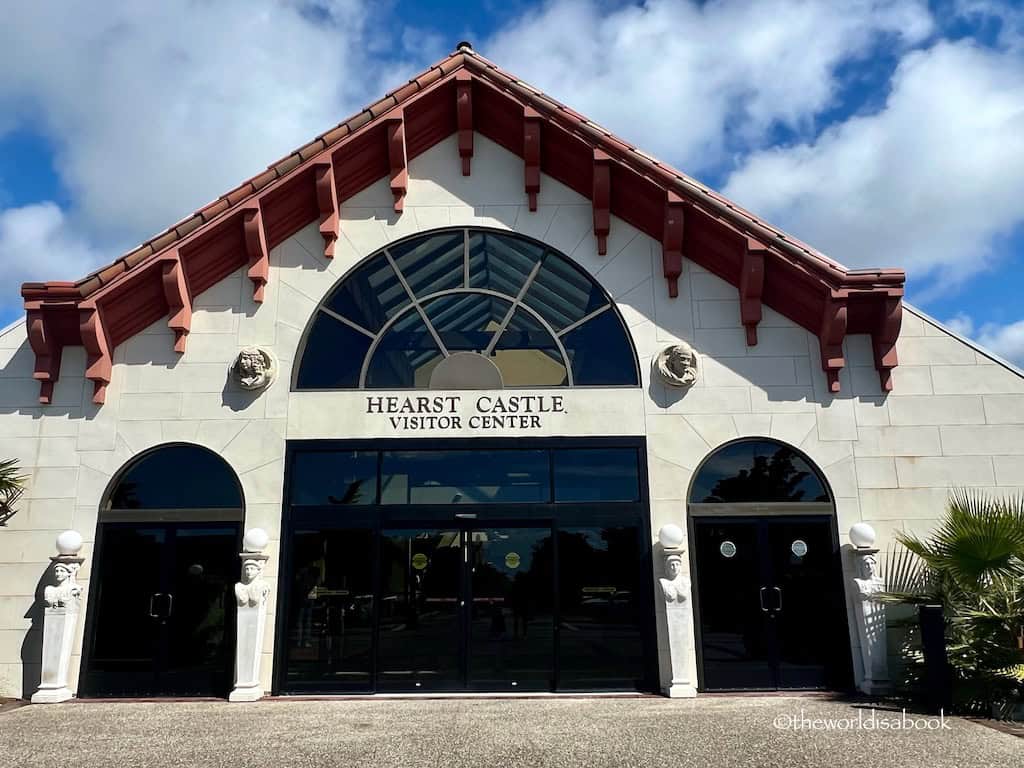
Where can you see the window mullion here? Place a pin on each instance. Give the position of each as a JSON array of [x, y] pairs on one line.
[[511, 310], [416, 304]]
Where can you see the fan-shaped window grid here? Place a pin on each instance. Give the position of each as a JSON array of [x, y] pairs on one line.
[[757, 471], [491, 306], [176, 476]]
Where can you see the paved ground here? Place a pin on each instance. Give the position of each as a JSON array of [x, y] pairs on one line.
[[706, 732]]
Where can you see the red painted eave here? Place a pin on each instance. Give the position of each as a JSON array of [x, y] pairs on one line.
[[463, 93]]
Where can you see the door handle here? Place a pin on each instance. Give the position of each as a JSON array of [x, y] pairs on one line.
[[170, 605], [778, 594], [761, 595], [152, 599]]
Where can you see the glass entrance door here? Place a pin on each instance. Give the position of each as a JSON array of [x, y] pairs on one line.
[[163, 621], [771, 607]]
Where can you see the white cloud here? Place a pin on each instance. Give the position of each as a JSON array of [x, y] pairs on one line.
[[36, 243], [155, 109], [929, 183], [1007, 340], [683, 79]]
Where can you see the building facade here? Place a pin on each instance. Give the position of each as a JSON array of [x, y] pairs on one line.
[[462, 358]]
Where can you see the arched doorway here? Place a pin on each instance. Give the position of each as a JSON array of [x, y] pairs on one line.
[[770, 608], [161, 610]]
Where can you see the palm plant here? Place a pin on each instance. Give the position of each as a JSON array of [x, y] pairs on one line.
[[12, 485], [973, 565]]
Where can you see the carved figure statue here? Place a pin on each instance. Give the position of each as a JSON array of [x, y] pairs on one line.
[[252, 590], [254, 368], [871, 622], [67, 592], [676, 587], [677, 365]]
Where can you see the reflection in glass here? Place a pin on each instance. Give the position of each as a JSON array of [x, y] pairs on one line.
[[757, 471], [431, 264], [511, 631], [501, 262], [464, 477], [466, 321], [527, 355], [405, 356], [370, 296], [177, 477], [330, 617], [334, 355], [334, 477], [562, 294], [419, 609], [600, 352], [596, 474], [600, 635]]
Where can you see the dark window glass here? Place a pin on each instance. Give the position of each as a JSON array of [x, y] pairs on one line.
[[464, 477], [333, 356], [597, 474], [334, 477], [405, 356], [600, 644], [501, 263], [431, 264], [757, 471], [466, 321], [527, 356], [562, 294], [330, 610], [370, 295], [600, 352], [178, 477]]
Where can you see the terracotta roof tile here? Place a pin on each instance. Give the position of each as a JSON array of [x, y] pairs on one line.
[[381, 107], [314, 147], [357, 122], [161, 242], [336, 134], [137, 255], [406, 91], [215, 208], [89, 285], [189, 225], [288, 164], [240, 193], [429, 77], [259, 182]]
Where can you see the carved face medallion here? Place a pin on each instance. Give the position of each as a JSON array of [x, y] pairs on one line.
[[677, 365], [254, 368]]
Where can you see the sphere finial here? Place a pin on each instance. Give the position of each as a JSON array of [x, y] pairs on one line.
[[69, 543], [671, 536], [862, 535]]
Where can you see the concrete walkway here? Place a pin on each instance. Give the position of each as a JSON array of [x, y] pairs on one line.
[[706, 732]]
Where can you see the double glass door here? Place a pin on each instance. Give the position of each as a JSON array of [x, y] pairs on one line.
[[163, 616], [771, 604], [466, 607]]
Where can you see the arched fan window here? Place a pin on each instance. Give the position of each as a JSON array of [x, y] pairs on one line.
[[466, 309], [757, 471], [177, 477]]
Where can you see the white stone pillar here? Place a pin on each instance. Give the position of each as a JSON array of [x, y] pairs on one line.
[[675, 590], [869, 611], [60, 620], [251, 595]]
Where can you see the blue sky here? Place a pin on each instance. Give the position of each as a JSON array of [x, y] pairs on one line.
[[884, 132]]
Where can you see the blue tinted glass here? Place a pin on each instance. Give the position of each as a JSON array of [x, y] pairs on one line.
[[757, 471], [562, 294], [527, 356], [333, 355], [178, 477], [334, 477], [597, 474], [464, 477], [405, 356], [431, 264], [466, 321], [600, 352], [501, 263], [370, 295]]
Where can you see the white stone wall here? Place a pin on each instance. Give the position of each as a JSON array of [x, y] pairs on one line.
[[955, 417]]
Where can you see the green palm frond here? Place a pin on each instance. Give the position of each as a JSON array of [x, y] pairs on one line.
[[11, 478]]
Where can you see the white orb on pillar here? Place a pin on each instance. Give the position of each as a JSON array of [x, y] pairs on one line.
[[671, 536], [256, 539], [862, 535], [69, 543]]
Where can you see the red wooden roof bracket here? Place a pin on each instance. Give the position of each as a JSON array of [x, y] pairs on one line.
[[531, 154], [179, 302], [601, 199], [751, 287], [672, 241], [327, 202], [464, 117], [99, 364], [831, 336], [397, 157]]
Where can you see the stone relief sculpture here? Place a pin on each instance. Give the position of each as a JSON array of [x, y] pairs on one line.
[[66, 593], [251, 595], [252, 590], [60, 620], [675, 589], [869, 611], [254, 368], [677, 365]]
